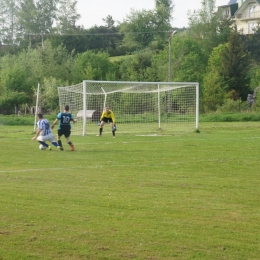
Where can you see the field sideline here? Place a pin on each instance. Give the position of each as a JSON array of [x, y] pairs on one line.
[[170, 196]]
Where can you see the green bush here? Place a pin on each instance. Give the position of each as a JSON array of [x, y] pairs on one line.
[[256, 105], [8, 102], [233, 106], [230, 117]]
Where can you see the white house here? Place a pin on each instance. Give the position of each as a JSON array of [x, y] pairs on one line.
[[229, 9], [245, 13]]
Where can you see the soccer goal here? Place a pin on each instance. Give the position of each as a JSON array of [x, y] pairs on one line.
[[139, 107]]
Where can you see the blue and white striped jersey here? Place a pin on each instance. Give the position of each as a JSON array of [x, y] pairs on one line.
[[44, 126]]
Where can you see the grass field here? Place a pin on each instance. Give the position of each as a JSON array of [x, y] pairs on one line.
[[174, 196]]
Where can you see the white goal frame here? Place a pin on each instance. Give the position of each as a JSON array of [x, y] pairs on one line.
[[90, 97]]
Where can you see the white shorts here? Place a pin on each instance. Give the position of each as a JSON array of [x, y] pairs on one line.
[[50, 137]]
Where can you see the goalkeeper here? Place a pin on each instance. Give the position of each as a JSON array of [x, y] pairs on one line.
[[107, 117]]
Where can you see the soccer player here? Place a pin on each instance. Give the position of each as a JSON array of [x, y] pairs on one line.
[[44, 133], [64, 127], [107, 117]]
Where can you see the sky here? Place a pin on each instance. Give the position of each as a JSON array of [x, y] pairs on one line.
[[92, 11]]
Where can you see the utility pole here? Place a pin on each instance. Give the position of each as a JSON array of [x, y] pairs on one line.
[[170, 57]]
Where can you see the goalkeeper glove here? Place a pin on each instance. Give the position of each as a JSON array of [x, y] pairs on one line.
[[114, 128], [99, 123]]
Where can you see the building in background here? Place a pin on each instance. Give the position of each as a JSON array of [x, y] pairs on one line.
[[245, 13]]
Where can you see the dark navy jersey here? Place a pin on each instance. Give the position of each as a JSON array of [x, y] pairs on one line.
[[64, 120]]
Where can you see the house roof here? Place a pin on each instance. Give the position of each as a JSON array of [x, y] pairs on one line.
[[250, 1], [230, 3], [235, 1], [244, 4]]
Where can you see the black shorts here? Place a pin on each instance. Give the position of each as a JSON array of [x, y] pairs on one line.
[[107, 120], [65, 132]]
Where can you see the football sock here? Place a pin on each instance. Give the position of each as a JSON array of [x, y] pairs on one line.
[[43, 143], [55, 144], [100, 130], [60, 143], [70, 143], [113, 132]]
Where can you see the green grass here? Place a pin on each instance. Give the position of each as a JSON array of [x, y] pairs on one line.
[[176, 196]]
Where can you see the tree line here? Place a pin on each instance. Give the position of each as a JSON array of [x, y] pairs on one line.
[[26, 23], [42, 44]]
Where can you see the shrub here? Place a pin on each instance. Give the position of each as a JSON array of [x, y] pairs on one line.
[[8, 102], [230, 105], [256, 105]]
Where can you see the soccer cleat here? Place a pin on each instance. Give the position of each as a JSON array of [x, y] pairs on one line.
[[114, 137], [72, 147], [60, 148], [49, 148], [99, 135]]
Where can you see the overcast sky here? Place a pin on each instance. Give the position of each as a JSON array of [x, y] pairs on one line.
[[92, 11]]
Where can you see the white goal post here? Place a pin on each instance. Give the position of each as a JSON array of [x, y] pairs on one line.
[[139, 107]]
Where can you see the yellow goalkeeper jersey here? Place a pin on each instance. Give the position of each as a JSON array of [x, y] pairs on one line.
[[108, 114]]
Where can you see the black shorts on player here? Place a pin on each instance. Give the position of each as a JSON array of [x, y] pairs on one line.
[[107, 120], [65, 132]]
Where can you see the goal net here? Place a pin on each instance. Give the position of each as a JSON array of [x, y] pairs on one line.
[[139, 107]]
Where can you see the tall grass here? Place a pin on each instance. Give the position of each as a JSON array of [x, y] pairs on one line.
[[230, 117], [25, 120], [175, 196]]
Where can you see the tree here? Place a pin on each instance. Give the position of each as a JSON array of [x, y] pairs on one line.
[[227, 74], [214, 85], [226, 25], [27, 19], [14, 99], [136, 66], [147, 28], [113, 39], [49, 93], [16, 82], [14, 75], [254, 75], [55, 62], [208, 27], [93, 66], [22, 72], [189, 60], [75, 41], [109, 21], [103, 38], [46, 13], [235, 66], [67, 33], [213, 91], [252, 43], [138, 29], [8, 21], [163, 18], [67, 16], [32, 18], [167, 5]]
